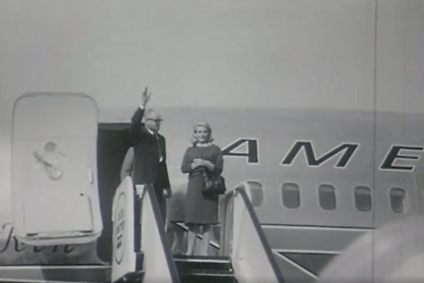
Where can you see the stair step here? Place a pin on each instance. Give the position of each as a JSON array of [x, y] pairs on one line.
[[202, 258], [207, 278], [218, 265], [205, 269], [207, 272]]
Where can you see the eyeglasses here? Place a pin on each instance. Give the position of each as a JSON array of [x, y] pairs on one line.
[[155, 120]]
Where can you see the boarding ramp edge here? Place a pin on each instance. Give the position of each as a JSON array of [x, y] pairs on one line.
[[55, 273]]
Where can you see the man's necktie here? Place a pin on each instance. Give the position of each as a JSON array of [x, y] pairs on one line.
[[159, 148]]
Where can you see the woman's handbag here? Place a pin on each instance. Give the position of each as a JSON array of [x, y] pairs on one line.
[[214, 184]]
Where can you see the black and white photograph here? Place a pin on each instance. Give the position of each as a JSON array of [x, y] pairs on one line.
[[232, 141]]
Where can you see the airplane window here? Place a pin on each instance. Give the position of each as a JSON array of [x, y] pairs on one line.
[[291, 195], [397, 200], [257, 193], [327, 197], [363, 198]]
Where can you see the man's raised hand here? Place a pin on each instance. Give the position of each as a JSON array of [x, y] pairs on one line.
[[145, 97]]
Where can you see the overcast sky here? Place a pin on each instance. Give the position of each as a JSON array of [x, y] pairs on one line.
[[216, 53]]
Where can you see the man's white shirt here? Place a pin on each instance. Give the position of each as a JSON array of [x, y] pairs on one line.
[[153, 134]]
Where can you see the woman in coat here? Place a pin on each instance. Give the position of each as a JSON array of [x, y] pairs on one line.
[[201, 211]]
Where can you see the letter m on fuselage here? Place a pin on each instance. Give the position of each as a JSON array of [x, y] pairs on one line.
[[345, 152]]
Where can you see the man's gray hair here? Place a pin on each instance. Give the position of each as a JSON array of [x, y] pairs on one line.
[[150, 112]]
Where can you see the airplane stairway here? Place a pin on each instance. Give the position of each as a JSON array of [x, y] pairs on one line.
[[205, 269], [244, 253]]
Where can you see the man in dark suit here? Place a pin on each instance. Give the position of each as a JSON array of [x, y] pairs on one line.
[[150, 152]]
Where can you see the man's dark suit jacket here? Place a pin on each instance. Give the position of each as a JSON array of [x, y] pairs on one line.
[[147, 168]]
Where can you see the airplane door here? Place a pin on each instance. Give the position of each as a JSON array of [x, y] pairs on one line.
[[54, 169]]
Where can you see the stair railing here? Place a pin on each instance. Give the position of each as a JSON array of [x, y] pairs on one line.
[[140, 246], [159, 261], [243, 240]]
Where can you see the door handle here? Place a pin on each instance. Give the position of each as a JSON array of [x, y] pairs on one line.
[[52, 171]]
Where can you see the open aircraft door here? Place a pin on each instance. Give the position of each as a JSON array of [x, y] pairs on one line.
[[54, 169]]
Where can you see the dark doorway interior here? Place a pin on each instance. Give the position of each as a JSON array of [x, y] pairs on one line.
[[112, 144]]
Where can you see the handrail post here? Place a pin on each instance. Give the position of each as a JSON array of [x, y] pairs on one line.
[[225, 222]]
